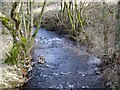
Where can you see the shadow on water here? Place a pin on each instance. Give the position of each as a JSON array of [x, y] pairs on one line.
[[67, 66]]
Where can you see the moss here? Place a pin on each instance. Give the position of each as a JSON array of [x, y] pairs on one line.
[[12, 58]]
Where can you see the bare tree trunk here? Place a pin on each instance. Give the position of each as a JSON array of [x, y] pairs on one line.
[[38, 26], [15, 15], [105, 31], [61, 4], [1, 11], [31, 20], [71, 19], [117, 41], [4, 11], [81, 21], [118, 32], [64, 8]]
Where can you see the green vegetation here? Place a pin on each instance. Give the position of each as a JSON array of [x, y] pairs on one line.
[[20, 28], [71, 20], [75, 19], [12, 58]]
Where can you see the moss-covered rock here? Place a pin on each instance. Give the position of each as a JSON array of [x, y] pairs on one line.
[[10, 76]]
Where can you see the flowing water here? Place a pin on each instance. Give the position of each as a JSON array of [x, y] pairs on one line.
[[67, 65]]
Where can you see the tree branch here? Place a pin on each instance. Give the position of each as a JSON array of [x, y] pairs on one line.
[[6, 22]]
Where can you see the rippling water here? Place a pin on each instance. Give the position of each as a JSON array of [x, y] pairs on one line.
[[66, 65]]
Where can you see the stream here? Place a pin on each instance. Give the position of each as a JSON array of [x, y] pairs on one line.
[[67, 65]]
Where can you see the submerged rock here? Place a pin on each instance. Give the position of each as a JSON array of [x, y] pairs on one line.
[[41, 59], [94, 60]]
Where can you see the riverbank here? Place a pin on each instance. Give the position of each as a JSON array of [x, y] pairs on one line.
[[10, 75]]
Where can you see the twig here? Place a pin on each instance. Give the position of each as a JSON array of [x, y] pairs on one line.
[[60, 21]]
